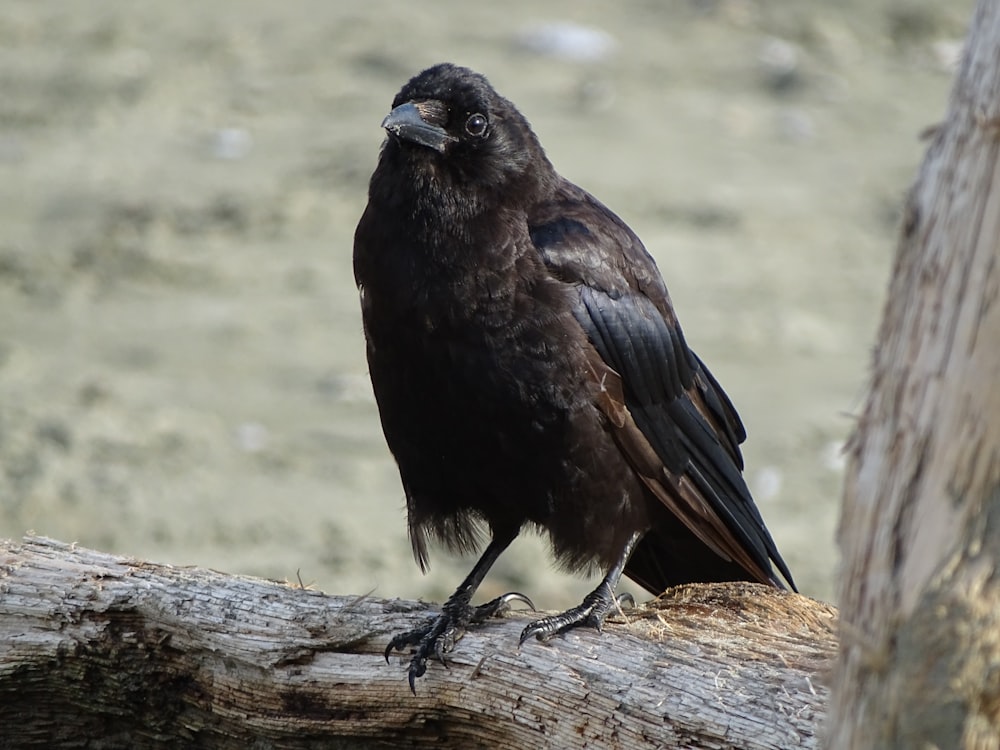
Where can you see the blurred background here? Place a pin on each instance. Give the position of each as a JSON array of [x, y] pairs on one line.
[[182, 371]]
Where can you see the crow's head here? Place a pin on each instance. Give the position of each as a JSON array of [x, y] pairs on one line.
[[448, 122]]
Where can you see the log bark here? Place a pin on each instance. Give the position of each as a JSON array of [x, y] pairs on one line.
[[920, 530], [108, 652]]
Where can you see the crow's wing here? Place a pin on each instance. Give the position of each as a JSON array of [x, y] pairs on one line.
[[673, 421]]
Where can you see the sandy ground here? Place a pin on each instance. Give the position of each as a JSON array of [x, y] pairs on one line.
[[181, 359]]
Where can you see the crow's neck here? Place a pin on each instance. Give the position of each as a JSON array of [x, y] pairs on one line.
[[457, 228], [447, 257]]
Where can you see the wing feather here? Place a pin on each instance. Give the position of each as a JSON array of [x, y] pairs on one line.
[[671, 418]]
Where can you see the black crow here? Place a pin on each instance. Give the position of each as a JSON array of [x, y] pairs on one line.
[[530, 371]]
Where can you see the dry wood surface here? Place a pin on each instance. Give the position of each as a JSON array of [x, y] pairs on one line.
[[106, 651]]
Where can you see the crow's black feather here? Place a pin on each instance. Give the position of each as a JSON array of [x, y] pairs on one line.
[[530, 370]]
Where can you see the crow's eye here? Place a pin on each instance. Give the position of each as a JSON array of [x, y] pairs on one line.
[[476, 125]]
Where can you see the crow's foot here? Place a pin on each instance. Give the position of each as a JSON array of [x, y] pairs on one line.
[[591, 613], [440, 634]]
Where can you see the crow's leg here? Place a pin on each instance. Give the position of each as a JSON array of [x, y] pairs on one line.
[[594, 608], [441, 633]]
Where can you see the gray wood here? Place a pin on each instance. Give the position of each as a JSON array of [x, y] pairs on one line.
[[920, 531], [129, 653]]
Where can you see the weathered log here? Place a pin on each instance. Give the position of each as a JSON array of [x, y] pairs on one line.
[[920, 530], [111, 652]]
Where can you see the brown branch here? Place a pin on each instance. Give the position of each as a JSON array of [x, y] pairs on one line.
[[126, 653]]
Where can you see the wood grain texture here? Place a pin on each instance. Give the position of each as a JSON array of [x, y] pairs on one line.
[[920, 530], [106, 651]]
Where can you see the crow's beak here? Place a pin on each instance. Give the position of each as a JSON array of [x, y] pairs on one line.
[[406, 122]]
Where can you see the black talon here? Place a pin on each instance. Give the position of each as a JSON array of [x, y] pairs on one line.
[[592, 611], [439, 635], [499, 606], [436, 637], [411, 638]]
